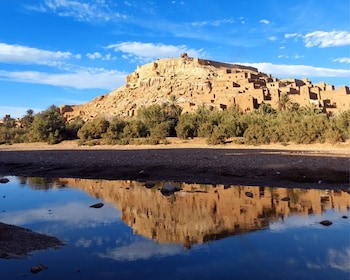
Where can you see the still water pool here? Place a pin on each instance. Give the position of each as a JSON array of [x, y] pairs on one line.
[[199, 232]]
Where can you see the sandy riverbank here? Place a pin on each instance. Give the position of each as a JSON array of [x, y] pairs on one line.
[[319, 165]]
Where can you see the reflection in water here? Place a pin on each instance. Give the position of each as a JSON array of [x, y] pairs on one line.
[[140, 233], [202, 213]]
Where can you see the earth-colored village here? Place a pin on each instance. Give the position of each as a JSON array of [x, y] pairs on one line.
[[196, 82]]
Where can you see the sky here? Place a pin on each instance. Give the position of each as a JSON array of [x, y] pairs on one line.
[[55, 52]]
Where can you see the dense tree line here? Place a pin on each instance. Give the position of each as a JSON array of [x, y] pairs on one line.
[[153, 124]]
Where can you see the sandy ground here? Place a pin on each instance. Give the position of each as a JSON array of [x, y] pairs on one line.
[[316, 165]]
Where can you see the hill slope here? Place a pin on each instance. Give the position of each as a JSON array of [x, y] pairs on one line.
[[196, 82]]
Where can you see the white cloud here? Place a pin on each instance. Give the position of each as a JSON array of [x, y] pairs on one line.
[[212, 23], [94, 55], [342, 60], [339, 259], [85, 78], [81, 11], [84, 217], [292, 35], [142, 250], [97, 55], [324, 39], [145, 52], [27, 55], [264, 21], [284, 70], [272, 38]]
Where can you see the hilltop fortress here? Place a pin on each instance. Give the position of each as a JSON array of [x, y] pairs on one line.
[[195, 82]]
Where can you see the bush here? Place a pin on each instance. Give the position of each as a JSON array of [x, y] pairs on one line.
[[218, 136], [187, 126], [255, 134], [94, 129], [48, 126]]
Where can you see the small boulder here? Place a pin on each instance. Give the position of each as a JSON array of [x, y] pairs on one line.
[[150, 184], [4, 180], [285, 198], [168, 190], [97, 205], [326, 223], [249, 194], [38, 268]]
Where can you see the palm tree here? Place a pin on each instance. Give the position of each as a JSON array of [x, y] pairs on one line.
[[174, 110], [284, 102], [311, 109]]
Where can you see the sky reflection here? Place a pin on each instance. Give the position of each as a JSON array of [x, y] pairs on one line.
[[203, 230]]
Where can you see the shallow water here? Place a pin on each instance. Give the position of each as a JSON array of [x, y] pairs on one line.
[[200, 232]]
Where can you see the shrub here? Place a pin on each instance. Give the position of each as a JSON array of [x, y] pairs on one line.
[[187, 126], [218, 136], [48, 126], [94, 129], [255, 134]]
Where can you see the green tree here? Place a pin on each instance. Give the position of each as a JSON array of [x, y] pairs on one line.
[[94, 129], [187, 126], [27, 119], [9, 122], [156, 120], [48, 126], [285, 103]]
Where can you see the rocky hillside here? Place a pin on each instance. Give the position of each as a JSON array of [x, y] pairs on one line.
[[195, 82]]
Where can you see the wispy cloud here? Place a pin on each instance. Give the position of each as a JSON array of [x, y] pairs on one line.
[[283, 70], [342, 60], [88, 78], [145, 52], [26, 55], [98, 55], [212, 22], [324, 39], [142, 250], [264, 21], [95, 10], [292, 35]]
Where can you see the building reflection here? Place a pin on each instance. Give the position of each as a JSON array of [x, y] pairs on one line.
[[202, 213]]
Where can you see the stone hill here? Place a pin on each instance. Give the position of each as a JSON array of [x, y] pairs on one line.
[[196, 82]]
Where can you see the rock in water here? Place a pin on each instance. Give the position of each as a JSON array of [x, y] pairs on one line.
[[326, 223], [249, 194], [168, 190], [4, 180], [97, 205], [38, 268]]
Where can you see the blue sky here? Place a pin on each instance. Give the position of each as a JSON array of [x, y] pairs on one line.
[[70, 51]]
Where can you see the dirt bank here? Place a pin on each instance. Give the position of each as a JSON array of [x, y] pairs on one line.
[[320, 166]]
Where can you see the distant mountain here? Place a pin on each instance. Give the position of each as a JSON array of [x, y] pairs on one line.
[[195, 82]]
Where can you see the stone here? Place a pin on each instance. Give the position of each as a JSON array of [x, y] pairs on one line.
[[38, 268], [97, 205], [168, 190], [4, 180], [249, 194], [326, 223], [150, 184]]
